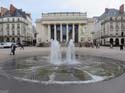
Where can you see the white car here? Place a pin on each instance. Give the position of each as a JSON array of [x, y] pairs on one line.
[[1, 45], [7, 44]]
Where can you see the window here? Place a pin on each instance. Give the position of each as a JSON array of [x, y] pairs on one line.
[[13, 33], [18, 19], [122, 33], [18, 39], [8, 40], [122, 27], [13, 19], [8, 19], [117, 27], [13, 39], [18, 26], [110, 18], [18, 32], [8, 32], [7, 26], [111, 35], [111, 26], [13, 26]]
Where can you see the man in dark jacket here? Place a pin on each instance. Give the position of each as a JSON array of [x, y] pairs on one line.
[[121, 47], [13, 48]]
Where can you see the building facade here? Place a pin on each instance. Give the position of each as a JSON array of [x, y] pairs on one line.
[[15, 25], [63, 26], [97, 30], [112, 23]]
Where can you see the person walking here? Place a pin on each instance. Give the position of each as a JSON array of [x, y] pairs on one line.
[[121, 47], [13, 49], [21, 46]]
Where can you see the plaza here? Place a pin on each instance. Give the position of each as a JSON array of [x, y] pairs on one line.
[[71, 47], [11, 85]]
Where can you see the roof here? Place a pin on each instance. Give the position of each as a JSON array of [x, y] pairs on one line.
[[111, 13], [14, 12]]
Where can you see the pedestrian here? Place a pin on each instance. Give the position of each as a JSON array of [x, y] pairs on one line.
[[80, 45], [111, 45], [121, 47], [13, 49], [96, 44], [21, 46]]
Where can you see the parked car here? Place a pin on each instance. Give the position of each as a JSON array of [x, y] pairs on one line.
[[7, 44], [1, 45]]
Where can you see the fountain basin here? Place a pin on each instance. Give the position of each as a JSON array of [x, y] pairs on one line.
[[38, 69]]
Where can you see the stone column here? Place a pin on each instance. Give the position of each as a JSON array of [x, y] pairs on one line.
[[79, 33], [73, 33], [61, 33], [55, 35], [67, 33], [49, 33]]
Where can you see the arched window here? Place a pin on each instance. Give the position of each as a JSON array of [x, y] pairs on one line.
[[13, 39], [117, 42], [122, 33], [8, 40]]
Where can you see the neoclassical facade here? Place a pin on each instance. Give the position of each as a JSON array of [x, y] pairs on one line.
[[63, 26], [15, 25]]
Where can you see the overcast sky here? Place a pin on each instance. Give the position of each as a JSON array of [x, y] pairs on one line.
[[36, 7]]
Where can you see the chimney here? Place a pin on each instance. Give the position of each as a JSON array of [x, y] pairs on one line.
[[3, 11], [29, 14], [12, 9], [121, 9]]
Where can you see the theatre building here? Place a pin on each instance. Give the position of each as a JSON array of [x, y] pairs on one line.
[[63, 26]]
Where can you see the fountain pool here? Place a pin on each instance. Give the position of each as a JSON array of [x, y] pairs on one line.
[[39, 69]]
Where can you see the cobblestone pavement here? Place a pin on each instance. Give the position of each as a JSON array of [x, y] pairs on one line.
[[9, 85]]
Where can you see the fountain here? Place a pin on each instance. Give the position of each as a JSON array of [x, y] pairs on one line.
[[55, 55], [70, 55], [63, 70]]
